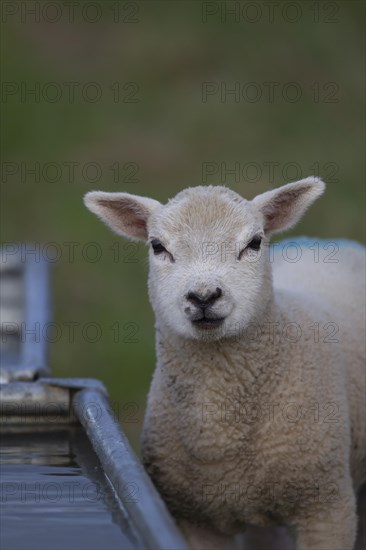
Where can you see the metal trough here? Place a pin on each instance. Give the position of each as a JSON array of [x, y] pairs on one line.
[[69, 478]]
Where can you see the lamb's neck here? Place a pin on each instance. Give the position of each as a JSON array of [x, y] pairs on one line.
[[249, 360]]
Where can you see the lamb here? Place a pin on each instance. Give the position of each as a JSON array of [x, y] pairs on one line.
[[256, 412]]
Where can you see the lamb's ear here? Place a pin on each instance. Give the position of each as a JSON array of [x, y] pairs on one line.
[[125, 214], [283, 207]]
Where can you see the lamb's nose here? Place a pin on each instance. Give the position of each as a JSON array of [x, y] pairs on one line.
[[204, 300]]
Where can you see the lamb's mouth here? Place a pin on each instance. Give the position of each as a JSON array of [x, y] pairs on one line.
[[208, 323]]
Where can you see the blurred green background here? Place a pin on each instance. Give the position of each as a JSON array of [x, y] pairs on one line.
[[153, 132]]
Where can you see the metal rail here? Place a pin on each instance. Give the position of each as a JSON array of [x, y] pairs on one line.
[[25, 312], [126, 474]]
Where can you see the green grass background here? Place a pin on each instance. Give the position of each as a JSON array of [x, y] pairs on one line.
[[169, 133]]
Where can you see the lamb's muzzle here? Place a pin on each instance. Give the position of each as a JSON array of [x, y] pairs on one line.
[[201, 312]]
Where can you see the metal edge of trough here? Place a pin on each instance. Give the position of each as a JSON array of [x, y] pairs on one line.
[[120, 465], [37, 311], [35, 275], [43, 401]]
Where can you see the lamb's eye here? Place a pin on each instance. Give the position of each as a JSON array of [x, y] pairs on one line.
[[157, 247], [255, 243]]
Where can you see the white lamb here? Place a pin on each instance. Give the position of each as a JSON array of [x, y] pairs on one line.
[[256, 413]]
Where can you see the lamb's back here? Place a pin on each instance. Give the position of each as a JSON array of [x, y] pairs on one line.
[[329, 270], [329, 277]]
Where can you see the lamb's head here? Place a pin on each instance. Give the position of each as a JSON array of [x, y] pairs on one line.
[[209, 271]]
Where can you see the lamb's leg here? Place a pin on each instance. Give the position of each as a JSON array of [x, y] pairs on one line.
[[202, 538], [330, 527]]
